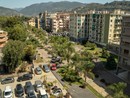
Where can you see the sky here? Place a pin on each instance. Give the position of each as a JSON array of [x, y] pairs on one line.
[[24, 3]]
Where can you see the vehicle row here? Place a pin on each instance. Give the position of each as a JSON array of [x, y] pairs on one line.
[[19, 79], [28, 89]]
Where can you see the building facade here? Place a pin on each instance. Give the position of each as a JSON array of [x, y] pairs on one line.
[[3, 38], [77, 26], [55, 22], [115, 24], [124, 50], [31, 22], [92, 26], [97, 24]]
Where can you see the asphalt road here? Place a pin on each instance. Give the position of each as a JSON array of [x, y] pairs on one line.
[[76, 91]]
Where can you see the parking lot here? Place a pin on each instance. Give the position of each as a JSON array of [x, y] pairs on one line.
[[49, 76]]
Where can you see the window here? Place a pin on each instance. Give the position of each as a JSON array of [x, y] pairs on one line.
[[126, 52]]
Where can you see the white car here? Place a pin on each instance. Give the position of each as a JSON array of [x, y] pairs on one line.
[[8, 93], [57, 91], [43, 93]]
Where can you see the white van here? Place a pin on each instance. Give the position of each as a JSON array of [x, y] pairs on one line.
[[43, 93]]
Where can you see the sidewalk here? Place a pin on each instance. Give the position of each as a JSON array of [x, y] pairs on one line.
[[97, 87]]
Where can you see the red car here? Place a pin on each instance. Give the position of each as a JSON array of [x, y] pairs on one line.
[[53, 67]]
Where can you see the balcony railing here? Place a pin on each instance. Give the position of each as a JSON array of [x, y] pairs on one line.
[[124, 66], [125, 45], [125, 55], [3, 40]]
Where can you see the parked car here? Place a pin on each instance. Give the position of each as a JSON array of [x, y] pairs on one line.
[[19, 91], [8, 92], [53, 88], [1, 96], [25, 77], [38, 85], [53, 67], [38, 71], [7, 80], [43, 93], [28, 87], [46, 68], [53, 60], [56, 59], [31, 95], [57, 91], [58, 66]]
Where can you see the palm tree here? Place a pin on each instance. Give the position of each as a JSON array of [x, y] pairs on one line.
[[117, 90], [69, 51], [86, 55], [87, 67]]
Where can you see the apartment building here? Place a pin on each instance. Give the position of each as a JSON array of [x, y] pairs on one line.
[[92, 26], [77, 26], [37, 22], [3, 38], [97, 26], [31, 22], [124, 49], [115, 24], [55, 22]]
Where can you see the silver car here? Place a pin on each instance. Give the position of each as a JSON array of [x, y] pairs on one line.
[[38, 71], [38, 85]]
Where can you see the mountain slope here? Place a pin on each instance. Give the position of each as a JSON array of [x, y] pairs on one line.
[[124, 5], [35, 9], [7, 12]]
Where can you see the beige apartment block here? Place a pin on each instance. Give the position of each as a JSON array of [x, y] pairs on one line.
[[124, 50], [3, 38], [115, 24], [77, 26], [31, 22], [56, 22]]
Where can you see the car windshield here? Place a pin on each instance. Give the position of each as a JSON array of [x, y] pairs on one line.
[[39, 85], [31, 94], [19, 91], [44, 96], [7, 93], [46, 67]]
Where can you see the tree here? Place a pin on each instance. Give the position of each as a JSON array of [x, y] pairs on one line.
[[18, 32], [117, 90], [86, 55], [91, 45], [69, 51], [13, 54], [105, 54], [29, 52], [87, 67], [111, 63]]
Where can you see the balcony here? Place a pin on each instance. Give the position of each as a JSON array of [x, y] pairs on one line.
[[3, 35], [3, 40], [124, 66], [2, 45], [126, 39], [126, 33], [125, 55], [125, 45]]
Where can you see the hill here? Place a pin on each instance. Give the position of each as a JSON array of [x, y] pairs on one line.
[[35, 9], [7, 12], [124, 5]]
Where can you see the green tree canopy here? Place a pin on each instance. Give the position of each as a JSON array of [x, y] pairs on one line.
[[118, 89], [111, 63], [29, 52], [18, 32], [13, 54]]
